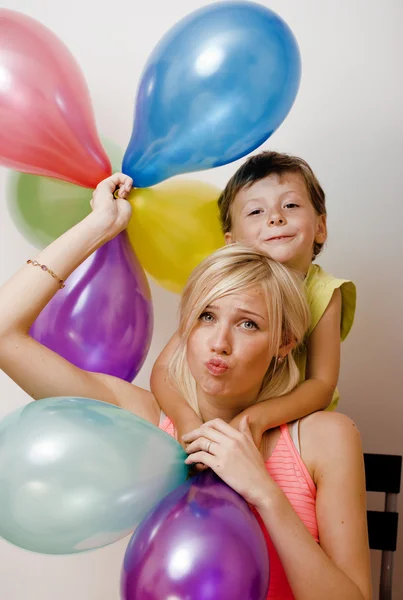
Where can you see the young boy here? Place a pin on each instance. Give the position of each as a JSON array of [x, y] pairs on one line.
[[275, 203]]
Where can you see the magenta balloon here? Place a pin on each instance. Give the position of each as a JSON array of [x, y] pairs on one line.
[[201, 542], [102, 320]]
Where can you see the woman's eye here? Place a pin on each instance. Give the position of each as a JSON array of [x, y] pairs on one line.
[[250, 325], [255, 211], [207, 317]]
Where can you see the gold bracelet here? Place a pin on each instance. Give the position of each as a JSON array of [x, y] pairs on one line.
[[35, 263]]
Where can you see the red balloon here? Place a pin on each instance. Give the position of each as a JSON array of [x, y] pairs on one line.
[[47, 126]]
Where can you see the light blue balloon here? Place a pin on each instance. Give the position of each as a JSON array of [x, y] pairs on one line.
[[216, 87], [78, 474]]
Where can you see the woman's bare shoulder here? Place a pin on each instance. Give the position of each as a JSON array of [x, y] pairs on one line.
[[328, 437], [323, 423]]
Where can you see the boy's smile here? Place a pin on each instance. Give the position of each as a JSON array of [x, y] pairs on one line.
[[275, 215]]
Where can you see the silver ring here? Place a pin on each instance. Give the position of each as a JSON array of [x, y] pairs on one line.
[[208, 447]]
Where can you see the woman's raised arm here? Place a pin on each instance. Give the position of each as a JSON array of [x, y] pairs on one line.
[[36, 369]]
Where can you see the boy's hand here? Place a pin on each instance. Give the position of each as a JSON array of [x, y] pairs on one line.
[[186, 427], [255, 429]]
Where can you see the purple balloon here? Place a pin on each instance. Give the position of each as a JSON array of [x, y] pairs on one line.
[[102, 320], [201, 542]]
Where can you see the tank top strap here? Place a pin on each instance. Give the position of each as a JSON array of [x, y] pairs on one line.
[[294, 432], [285, 434]]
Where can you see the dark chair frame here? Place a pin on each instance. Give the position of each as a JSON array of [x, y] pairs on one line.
[[383, 474]]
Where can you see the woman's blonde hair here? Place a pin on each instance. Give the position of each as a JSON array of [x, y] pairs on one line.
[[232, 269]]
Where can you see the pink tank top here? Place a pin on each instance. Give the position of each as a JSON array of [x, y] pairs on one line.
[[287, 469]]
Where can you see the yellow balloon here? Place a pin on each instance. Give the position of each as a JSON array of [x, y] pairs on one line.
[[174, 226]]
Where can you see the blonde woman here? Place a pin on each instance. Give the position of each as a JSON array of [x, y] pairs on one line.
[[241, 315]]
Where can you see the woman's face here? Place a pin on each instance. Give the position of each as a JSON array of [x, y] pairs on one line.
[[229, 350]]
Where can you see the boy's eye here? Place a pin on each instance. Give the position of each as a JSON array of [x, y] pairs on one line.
[[291, 205], [207, 317], [255, 211], [250, 325]]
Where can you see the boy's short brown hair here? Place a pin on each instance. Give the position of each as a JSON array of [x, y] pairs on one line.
[[262, 165]]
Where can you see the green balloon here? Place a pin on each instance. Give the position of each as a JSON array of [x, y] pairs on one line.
[[43, 208], [77, 474]]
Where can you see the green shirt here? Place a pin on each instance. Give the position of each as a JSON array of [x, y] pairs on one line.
[[320, 287]]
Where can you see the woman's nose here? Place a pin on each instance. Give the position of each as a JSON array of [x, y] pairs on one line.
[[220, 341]]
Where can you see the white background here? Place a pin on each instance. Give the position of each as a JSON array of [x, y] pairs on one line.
[[347, 123]]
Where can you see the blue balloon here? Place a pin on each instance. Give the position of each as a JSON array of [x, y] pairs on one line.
[[78, 474], [216, 87]]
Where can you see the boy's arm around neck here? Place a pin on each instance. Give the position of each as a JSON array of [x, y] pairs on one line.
[[322, 372], [173, 404]]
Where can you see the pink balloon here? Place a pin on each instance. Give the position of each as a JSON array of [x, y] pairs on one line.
[[102, 320], [47, 126]]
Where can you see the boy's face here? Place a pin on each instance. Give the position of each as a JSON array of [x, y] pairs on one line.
[[275, 215]]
